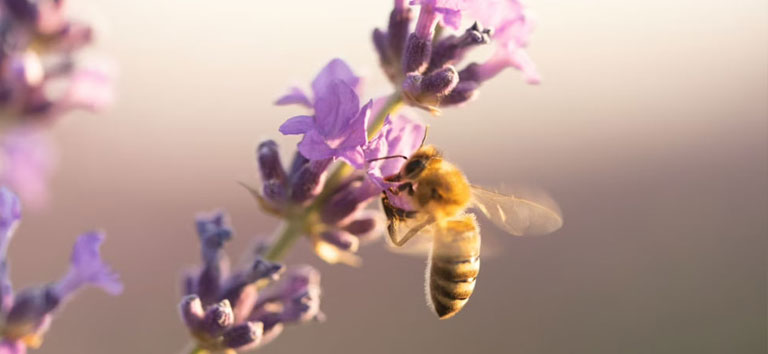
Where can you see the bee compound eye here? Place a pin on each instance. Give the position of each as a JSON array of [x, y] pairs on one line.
[[414, 167]]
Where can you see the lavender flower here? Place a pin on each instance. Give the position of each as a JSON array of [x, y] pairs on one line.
[[37, 44], [27, 160], [247, 308], [427, 77], [337, 129], [513, 26], [27, 314]]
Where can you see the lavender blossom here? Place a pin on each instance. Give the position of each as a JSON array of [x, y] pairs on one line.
[[38, 45], [512, 27], [337, 129], [26, 315], [247, 308], [427, 77], [27, 160]]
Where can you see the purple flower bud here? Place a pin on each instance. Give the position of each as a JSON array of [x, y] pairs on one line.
[[29, 310], [440, 82], [452, 49], [22, 10], [363, 226], [298, 162], [87, 268], [218, 318], [417, 54], [341, 239], [269, 161], [244, 335], [306, 183], [192, 312], [347, 199], [397, 30], [12, 347], [261, 269], [429, 90], [10, 214], [465, 91], [213, 230], [381, 43], [272, 172]]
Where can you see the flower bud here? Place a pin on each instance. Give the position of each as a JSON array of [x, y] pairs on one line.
[[341, 239], [306, 183], [464, 92], [430, 89], [246, 334], [192, 312], [218, 318], [440, 82], [361, 227], [397, 31], [452, 49], [417, 53], [269, 161], [22, 10], [29, 310]]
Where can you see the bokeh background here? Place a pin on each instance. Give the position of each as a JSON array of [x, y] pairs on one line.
[[649, 130]]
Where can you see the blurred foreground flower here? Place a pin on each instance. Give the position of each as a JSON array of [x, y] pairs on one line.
[[38, 44], [245, 309], [41, 79], [27, 314], [27, 160]]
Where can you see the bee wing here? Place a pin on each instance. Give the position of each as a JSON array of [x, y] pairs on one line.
[[518, 216]]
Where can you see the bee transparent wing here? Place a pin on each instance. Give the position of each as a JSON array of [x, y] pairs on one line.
[[518, 216]]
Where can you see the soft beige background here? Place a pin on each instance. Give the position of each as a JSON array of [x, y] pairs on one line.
[[650, 130]]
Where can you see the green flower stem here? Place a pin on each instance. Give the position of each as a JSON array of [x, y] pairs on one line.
[[296, 226]]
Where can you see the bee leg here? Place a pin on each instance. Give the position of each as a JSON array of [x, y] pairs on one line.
[[411, 233]]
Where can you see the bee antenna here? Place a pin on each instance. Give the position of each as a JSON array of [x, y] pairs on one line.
[[388, 157], [424, 139]]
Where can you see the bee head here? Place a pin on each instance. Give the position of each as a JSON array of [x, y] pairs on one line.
[[419, 161]]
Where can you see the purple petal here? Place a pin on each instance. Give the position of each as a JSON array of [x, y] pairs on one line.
[[87, 268], [313, 147], [334, 110], [335, 70], [12, 347], [10, 214], [353, 156], [294, 96], [89, 89], [27, 160], [297, 125], [355, 134]]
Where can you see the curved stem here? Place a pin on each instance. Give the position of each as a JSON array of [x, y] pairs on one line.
[[294, 227]]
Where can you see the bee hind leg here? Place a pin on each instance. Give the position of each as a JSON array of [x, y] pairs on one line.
[[412, 232]]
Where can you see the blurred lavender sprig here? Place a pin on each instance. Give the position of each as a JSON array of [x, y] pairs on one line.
[[246, 308], [41, 78], [25, 316]]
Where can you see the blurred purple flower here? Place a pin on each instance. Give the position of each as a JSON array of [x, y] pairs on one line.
[[249, 307], [26, 315], [512, 26], [38, 50], [448, 11], [27, 161]]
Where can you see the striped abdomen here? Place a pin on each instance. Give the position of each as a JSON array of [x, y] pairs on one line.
[[454, 265]]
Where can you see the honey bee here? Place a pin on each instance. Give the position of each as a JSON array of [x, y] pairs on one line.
[[438, 195]]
